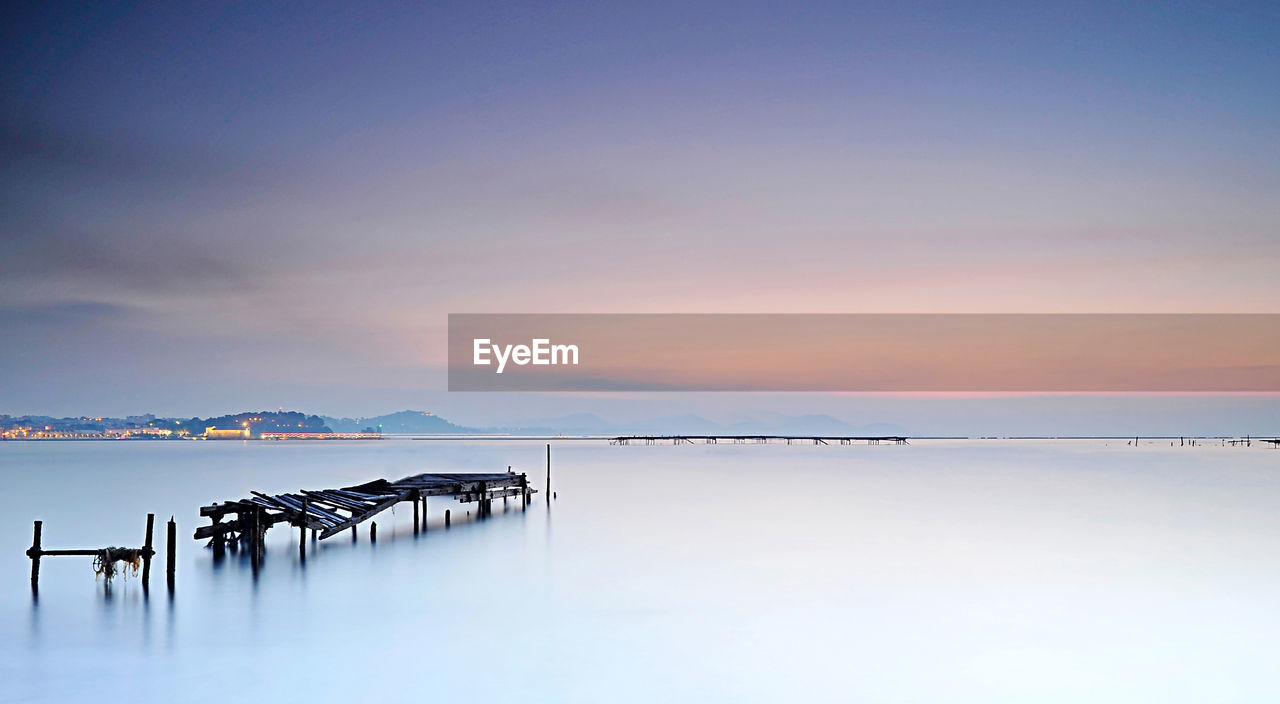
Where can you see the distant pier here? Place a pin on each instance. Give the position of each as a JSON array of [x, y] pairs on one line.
[[756, 439]]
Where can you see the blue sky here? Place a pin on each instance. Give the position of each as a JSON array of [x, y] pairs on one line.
[[264, 204]]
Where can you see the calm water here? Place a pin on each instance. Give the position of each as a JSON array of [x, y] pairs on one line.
[[942, 571]]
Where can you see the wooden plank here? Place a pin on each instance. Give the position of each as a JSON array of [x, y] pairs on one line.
[[356, 520], [337, 502]]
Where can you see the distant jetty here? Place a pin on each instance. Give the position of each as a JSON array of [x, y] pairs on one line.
[[757, 439]]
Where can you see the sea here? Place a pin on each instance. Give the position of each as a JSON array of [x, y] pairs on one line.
[[938, 571]]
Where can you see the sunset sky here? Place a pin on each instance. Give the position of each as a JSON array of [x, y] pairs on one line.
[[229, 206]]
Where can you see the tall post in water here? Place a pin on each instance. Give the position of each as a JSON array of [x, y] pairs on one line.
[[147, 552], [255, 539], [548, 474], [34, 554], [302, 532], [219, 540], [415, 511], [171, 552]]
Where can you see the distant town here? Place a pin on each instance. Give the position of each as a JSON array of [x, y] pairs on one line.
[[249, 425]]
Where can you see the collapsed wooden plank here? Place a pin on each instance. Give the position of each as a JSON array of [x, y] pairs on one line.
[[358, 519]]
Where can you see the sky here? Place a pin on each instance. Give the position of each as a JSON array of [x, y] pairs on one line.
[[206, 207]]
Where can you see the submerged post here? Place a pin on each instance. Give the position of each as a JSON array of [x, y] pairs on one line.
[[171, 552], [373, 531], [415, 511], [147, 552], [34, 554], [446, 518], [548, 474]]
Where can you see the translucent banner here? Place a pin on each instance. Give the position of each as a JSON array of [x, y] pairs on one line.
[[869, 353]]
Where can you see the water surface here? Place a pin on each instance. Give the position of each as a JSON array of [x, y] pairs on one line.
[[959, 571]]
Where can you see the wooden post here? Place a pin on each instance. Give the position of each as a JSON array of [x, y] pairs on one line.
[[373, 531], [258, 535], [424, 514], [171, 552], [255, 538], [219, 539], [548, 474], [34, 554], [446, 522], [302, 532], [353, 532], [524, 492], [415, 511], [147, 551]]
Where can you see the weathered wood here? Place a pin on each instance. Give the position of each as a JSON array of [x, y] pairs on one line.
[[446, 518], [35, 553], [548, 474], [302, 533], [338, 501], [147, 551], [171, 552], [356, 520], [319, 509], [483, 496]]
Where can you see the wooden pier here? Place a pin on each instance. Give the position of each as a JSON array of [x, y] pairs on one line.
[[328, 512], [756, 439]]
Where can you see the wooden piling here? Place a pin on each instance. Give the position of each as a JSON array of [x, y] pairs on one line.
[[548, 474], [446, 521], [259, 536], [373, 531], [147, 552], [219, 540], [171, 552], [34, 553], [302, 532], [415, 512], [424, 514]]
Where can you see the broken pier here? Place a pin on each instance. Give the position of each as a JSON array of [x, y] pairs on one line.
[[328, 512]]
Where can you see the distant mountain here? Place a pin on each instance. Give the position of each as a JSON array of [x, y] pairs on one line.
[[689, 424], [413, 422], [572, 424]]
